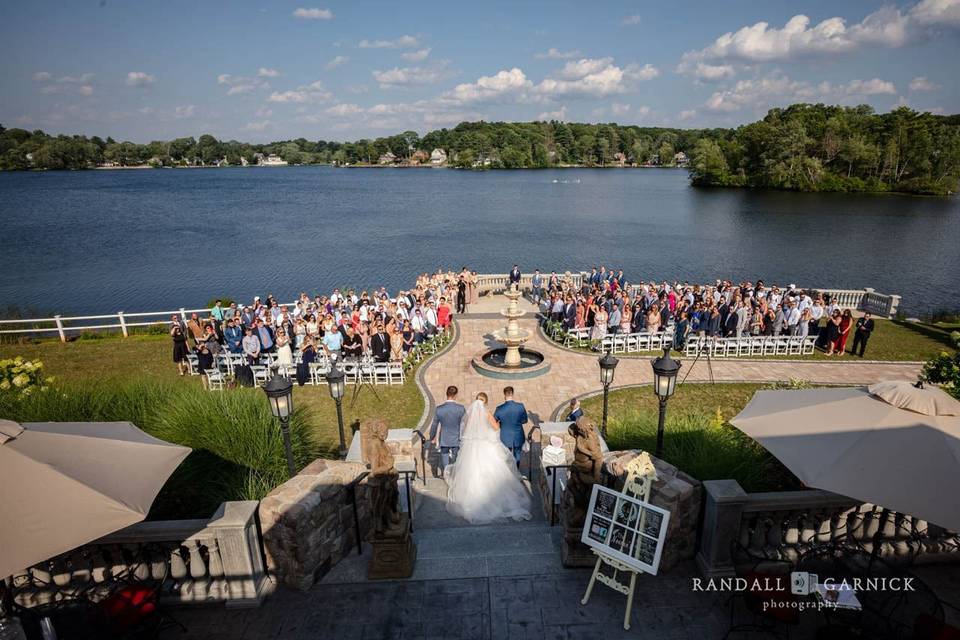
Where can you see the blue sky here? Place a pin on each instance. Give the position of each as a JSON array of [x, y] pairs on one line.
[[262, 71]]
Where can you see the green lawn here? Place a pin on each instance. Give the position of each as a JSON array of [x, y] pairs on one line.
[[149, 357], [698, 438], [894, 340]]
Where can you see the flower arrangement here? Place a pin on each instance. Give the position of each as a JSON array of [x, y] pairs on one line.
[[22, 376]]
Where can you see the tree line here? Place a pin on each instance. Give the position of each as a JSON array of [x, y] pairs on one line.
[[802, 147]]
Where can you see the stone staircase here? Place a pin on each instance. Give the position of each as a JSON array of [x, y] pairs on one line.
[[449, 547]]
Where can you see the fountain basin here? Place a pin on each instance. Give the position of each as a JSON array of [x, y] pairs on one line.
[[491, 363]]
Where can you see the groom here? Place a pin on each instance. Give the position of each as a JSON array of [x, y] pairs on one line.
[[511, 416]]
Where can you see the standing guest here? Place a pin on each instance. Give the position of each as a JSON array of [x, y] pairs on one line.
[[862, 335], [265, 336], [472, 287], [580, 319], [431, 319], [212, 341], [461, 295], [569, 313], [251, 347], [216, 314], [418, 325], [445, 430], [443, 315], [613, 320], [396, 342], [713, 323], [515, 276], [204, 358], [846, 324], [816, 313], [180, 350], [195, 328], [575, 412], [833, 332], [599, 331], [380, 344], [537, 284], [653, 319], [308, 355], [408, 337], [792, 318], [284, 349], [233, 334], [681, 331], [626, 319], [804, 327]]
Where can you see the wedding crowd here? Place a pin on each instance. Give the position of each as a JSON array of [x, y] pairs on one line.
[[343, 324], [605, 303]]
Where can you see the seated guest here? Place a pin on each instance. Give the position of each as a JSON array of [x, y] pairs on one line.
[[333, 343], [352, 344], [211, 342], [251, 347]]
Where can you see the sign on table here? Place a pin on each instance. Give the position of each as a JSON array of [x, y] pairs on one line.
[[626, 528]]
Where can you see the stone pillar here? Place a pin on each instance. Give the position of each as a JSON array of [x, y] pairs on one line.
[[235, 527], [721, 527]]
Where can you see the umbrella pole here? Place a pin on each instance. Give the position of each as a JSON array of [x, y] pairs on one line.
[[6, 598]]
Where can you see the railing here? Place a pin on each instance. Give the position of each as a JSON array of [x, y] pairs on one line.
[[782, 525], [423, 454], [195, 561], [352, 497], [530, 467], [879, 304], [551, 470], [406, 481]]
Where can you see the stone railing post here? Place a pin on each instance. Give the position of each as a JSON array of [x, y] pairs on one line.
[[235, 528], [721, 526], [894, 305]]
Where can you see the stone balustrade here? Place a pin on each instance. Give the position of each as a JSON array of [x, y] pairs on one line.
[[310, 522], [782, 525], [194, 561]]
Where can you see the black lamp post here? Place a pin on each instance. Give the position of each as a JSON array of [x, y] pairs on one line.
[[665, 371], [608, 365], [279, 391], [335, 380]]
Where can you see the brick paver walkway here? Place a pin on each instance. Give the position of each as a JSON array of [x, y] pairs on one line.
[[572, 374]]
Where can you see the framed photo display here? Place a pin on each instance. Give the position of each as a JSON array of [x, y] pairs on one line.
[[625, 528]]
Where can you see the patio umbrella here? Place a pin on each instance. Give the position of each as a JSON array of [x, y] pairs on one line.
[[68, 483], [854, 442]]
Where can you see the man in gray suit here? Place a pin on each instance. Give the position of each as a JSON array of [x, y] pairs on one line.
[[445, 431]]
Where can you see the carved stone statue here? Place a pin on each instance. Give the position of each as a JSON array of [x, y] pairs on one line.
[[584, 473], [384, 491]]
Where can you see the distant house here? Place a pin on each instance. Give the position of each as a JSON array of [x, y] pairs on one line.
[[243, 161], [419, 157], [387, 158], [272, 160], [620, 159], [223, 162], [438, 157], [680, 159]]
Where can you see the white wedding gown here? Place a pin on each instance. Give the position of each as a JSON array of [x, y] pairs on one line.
[[484, 484]]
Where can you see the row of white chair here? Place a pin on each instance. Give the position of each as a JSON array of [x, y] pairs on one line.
[[388, 373], [750, 346]]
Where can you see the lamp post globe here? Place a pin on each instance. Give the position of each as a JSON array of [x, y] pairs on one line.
[[665, 370], [335, 382], [608, 366], [279, 390]]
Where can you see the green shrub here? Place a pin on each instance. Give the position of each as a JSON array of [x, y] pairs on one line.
[[237, 445], [703, 446], [944, 369], [21, 376], [91, 335]]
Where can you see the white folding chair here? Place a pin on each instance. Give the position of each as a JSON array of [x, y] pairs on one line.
[[794, 345], [318, 372], [769, 346], [260, 375], [395, 372], [193, 363], [606, 344], [693, 345], [782, 345], [620, 343], [809, 345], [214, 379], [351, 372], [380, 373], [756, 345]]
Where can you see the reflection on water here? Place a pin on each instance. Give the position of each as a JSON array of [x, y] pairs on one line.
[[101, 241]]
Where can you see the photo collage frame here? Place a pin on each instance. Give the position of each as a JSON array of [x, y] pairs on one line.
[[626, 528]]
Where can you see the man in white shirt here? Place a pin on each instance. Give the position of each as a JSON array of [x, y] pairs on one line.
[[431, 318], [792, 318]]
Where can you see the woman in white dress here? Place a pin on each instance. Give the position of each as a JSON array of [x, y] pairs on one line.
[[284, 353], [484, 484]]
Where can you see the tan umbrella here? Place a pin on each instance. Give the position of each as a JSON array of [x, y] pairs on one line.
[[852, 442], [68, 483]]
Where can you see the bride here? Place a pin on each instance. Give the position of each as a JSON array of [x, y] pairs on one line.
[[484, 484]]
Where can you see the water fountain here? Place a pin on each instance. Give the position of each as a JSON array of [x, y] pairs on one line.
[[512, 361]]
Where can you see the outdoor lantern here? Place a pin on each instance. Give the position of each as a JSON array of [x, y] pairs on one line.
[[279, 391], [665, 371], [608, 364], [335, 380]]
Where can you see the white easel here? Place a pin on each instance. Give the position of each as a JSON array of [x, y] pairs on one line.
[[641, 475]]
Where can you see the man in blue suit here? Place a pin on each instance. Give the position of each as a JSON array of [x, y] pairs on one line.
[[449, 419], [511, 416]]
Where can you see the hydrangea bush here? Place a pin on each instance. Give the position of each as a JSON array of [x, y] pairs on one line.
[[22, 376]]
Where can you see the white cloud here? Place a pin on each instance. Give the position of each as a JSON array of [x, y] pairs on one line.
[[403, 42], [338, 61], [762, 93], [185, 111], [560, 114], [139, 79], [313, 14], [687, 114], [630, 21], [416, 56], [921, 83], [885, 27], [259, 125], [85, 90], [493, 88], [265, 72], [64, 84], [81, 79], [555, 54], [597, 77], [308, 93], [341, 110], [42, 76], [706, 72], [263, 112], [620, 109], [181, 112], [240, 85], [408, 76]]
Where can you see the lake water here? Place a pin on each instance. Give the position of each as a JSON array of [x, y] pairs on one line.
[[103, 241]]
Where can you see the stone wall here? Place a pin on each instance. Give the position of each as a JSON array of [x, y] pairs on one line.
[[674, 491], [308, 522]]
